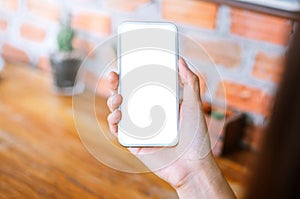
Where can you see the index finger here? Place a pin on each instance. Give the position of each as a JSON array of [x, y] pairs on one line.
[[113, 80]]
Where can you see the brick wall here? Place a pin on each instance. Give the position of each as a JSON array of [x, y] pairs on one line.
[[248, 48]]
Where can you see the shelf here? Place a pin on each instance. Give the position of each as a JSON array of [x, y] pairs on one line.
[[259, 8]]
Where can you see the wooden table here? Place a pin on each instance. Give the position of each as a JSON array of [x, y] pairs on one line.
[[42, 156]]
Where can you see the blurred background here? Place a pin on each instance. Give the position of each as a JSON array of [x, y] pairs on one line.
[[247, 42], [248, 47]]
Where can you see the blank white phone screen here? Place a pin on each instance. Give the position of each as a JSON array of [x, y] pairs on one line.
[[148, 56]]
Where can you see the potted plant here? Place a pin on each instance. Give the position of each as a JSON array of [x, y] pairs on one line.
[[65, 62]]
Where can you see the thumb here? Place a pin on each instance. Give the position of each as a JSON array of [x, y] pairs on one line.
[[190, 81], [192, 121]]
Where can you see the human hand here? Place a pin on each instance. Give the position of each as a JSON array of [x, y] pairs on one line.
[[191, 122], [195, 155]]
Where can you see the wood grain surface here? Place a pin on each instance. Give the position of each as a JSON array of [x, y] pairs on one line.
[[42, 156]]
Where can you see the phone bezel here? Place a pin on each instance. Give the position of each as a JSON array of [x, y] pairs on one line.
[[173, 27]]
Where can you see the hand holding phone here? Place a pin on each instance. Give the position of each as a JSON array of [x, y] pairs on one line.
[[193, 148]]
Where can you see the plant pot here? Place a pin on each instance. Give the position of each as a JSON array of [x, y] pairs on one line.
[[65, 67]]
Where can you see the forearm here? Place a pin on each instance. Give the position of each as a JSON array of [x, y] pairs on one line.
[[205, 181]]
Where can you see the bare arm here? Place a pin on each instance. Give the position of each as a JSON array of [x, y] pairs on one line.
[[205, 181]]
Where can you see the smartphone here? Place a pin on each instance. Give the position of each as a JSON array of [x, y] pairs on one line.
[[148, 83]]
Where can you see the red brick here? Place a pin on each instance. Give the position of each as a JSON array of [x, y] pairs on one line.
[[224, 52], [191, 12], [11, 53], [92, 22], [44, 63], [44, 9], [83, 45], [32, 32], [126, 5], [244, 98], [12, 5], [260, 26], [268, 67], [3, 25]]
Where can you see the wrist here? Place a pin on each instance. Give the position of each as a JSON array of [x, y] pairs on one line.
[[197, 175], [204, 180]]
